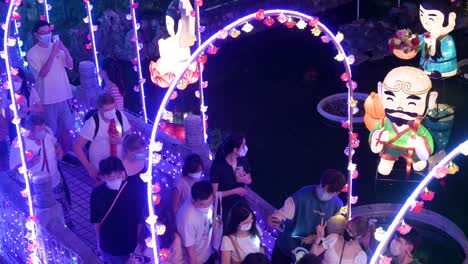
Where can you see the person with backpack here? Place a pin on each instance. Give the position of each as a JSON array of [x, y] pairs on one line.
[[102, 133]]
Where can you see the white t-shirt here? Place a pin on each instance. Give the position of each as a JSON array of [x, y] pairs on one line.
[[195, 229], [246, 244], [100, 145], [331, 256], [54, 87], [31, 145]]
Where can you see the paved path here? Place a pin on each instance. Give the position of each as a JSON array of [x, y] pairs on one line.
[[80, 185]]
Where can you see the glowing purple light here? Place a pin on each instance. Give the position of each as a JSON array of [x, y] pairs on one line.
[[46, 11], [200, 78], [137, 51], [14, 107], [89, 7], [414, 195]]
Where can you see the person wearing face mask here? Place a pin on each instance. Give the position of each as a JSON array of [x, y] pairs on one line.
[[191, 173], [342, 244], [105, 130], [230, 171], [43, 154], [195, 224], [402, 247], [32, 102], [48, 62], [303, 211], [242, 236], [116, 213]]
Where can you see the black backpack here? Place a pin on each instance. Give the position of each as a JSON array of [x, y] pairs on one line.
[[94, 114]]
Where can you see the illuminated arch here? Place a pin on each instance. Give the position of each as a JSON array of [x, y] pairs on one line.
[[7, 41], [265, 15]]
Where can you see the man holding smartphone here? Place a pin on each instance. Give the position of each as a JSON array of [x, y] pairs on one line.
[[47, 61]]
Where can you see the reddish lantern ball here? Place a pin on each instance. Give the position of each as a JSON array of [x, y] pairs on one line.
[[260, 15]]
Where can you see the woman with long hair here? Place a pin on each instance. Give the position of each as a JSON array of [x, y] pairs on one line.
[[32, 102], [242, 236], [230, 172], [342, 244]]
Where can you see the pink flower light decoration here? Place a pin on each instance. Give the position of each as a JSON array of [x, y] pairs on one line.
[[427, 195], [223, 34], [345, 189], [417, 206], [385, 260], [344, 77], [282, 18], [314, 21], [269, 21], [441, 172], [260, 15], [404, 228]]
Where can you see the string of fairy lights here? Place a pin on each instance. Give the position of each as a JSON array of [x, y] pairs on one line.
[[137, 60], [91, 37], [33, 242], [290, 19], [160, 157]]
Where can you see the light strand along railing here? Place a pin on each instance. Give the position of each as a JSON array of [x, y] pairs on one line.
[[137, 62], [17, 121], [198, 4]]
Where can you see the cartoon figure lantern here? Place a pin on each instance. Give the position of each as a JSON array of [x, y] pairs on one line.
[[438, 51], [174, 51], [405, 97]]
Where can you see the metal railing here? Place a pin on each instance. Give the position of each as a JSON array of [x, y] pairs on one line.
[[14, 241]]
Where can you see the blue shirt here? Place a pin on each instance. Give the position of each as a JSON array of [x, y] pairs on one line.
[[306, 217]]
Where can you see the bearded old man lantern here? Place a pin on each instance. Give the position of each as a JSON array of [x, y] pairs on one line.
[[405, 97], [438, 51]]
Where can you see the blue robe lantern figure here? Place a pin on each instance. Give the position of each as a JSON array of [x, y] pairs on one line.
[[438, 51]]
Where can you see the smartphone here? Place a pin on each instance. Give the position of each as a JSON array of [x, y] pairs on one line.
[[55, 38]]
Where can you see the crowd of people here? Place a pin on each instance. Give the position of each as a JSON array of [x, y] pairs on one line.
[[207, 218]]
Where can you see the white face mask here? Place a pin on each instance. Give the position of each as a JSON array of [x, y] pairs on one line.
[[243, 151], [46, 39], [109, 114], [195, 175], [324, 195], [114, 184], [17, 86], [245, 227], [395, 248]]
